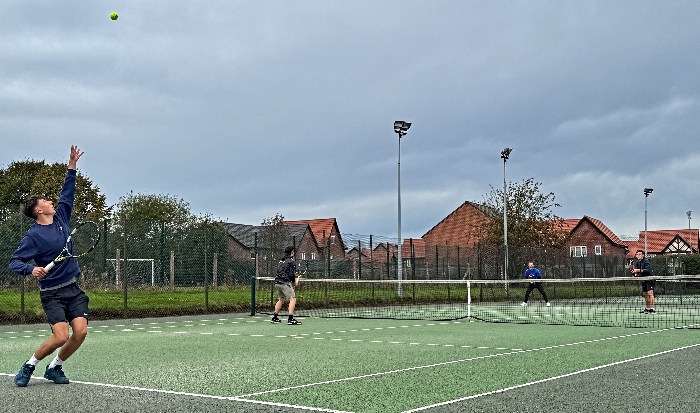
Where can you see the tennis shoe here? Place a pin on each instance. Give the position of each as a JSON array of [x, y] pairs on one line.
[[524, 304], [25, 373], [293, 322], [56, 375], [275, 320], [645, 311], [651, 311]]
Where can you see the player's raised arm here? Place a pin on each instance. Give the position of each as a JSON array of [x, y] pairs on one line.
[[75, 154]]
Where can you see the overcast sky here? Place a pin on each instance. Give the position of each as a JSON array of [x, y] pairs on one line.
[[246, 109]]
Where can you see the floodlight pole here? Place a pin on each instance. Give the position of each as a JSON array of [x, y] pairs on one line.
[[401, 128], [505, 154], [688, 214], [647, 191]]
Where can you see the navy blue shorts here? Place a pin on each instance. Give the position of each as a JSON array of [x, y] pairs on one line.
[[64, 304], [648, 286]]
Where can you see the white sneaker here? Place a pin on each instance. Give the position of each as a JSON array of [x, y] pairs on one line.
[[524, 304], [549, 305]]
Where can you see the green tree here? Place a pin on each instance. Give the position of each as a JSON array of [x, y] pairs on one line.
[[89, 204], [152, 225], [16, 185], [531, 219], [22, 179], [272, 240]]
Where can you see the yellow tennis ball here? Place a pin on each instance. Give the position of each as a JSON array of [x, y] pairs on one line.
[[114, 16]]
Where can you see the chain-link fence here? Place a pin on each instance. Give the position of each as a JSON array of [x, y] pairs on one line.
[[144, 269]]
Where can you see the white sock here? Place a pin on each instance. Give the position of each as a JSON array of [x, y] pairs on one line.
[[56, 362], [33, 360]]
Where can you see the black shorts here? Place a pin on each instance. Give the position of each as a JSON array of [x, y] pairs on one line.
[[648, 286], [64, 304]]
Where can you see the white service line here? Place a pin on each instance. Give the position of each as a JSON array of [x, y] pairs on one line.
[[547, 379], [204, 396]]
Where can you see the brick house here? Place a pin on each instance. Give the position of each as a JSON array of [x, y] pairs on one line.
[[243, 239], [326, 236], [460, 228], [666, 242], [589, 236]]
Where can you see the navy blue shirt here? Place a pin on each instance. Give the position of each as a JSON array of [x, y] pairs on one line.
[[43, 243], [286, 270]]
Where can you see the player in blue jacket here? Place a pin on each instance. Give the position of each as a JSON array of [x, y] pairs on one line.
[[64, 303], [533, 273]]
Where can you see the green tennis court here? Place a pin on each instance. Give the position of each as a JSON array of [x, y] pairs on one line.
[[240, 363]]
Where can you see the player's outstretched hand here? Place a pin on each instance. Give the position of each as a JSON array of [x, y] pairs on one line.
[[75, 154]]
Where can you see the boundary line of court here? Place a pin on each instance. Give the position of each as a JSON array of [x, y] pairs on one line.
[[444, 363], [546, 380], [204, 396]]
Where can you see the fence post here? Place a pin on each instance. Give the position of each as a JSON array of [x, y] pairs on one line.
[[215, 278], [172, 270], [117, 269], [371, 258], [359, 259]]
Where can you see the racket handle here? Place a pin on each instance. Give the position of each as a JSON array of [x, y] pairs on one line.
[[49, 266]]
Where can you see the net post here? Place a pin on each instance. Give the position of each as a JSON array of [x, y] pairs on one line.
[[252, 296], [469, 299]]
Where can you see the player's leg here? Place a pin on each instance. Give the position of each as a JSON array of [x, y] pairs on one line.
[[530, 287], [292, 305], [80, 329], [540, 288], [57, 339], [61, 334], [652, 300], [278, 304], [77, 314]]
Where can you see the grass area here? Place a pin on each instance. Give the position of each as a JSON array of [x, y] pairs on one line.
[[139, 302]]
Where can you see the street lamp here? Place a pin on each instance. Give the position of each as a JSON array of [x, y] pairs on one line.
[[505, 154], [688, 214], [647, 191], [401, 128]]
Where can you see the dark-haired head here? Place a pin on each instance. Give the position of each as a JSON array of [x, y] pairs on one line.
[[29, 208]]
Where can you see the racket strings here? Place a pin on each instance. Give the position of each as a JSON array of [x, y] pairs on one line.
[[84, 239]]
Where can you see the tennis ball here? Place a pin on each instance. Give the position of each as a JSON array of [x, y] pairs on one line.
[[114, 16]]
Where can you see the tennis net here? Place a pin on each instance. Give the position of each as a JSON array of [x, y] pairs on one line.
[[584, 301]]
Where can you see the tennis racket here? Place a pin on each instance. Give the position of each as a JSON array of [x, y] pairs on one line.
[[80, 242], [300, 274]]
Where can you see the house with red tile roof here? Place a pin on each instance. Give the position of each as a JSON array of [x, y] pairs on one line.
[[590, 236], [587, 235], [326, 234], [460, 228], [666, 242]]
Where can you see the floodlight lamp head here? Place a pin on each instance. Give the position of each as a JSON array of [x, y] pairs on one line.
[[647, 191], [688, 213], [506, 153], [401, 127]]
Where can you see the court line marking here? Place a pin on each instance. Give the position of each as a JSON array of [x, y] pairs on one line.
[[204, 396], [444, 363], [547, 379], [244, 398]]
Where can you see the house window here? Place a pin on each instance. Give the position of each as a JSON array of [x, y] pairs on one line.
[[313, 255], [598, 250], [332, 239], [303, 256], [579, 251]]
